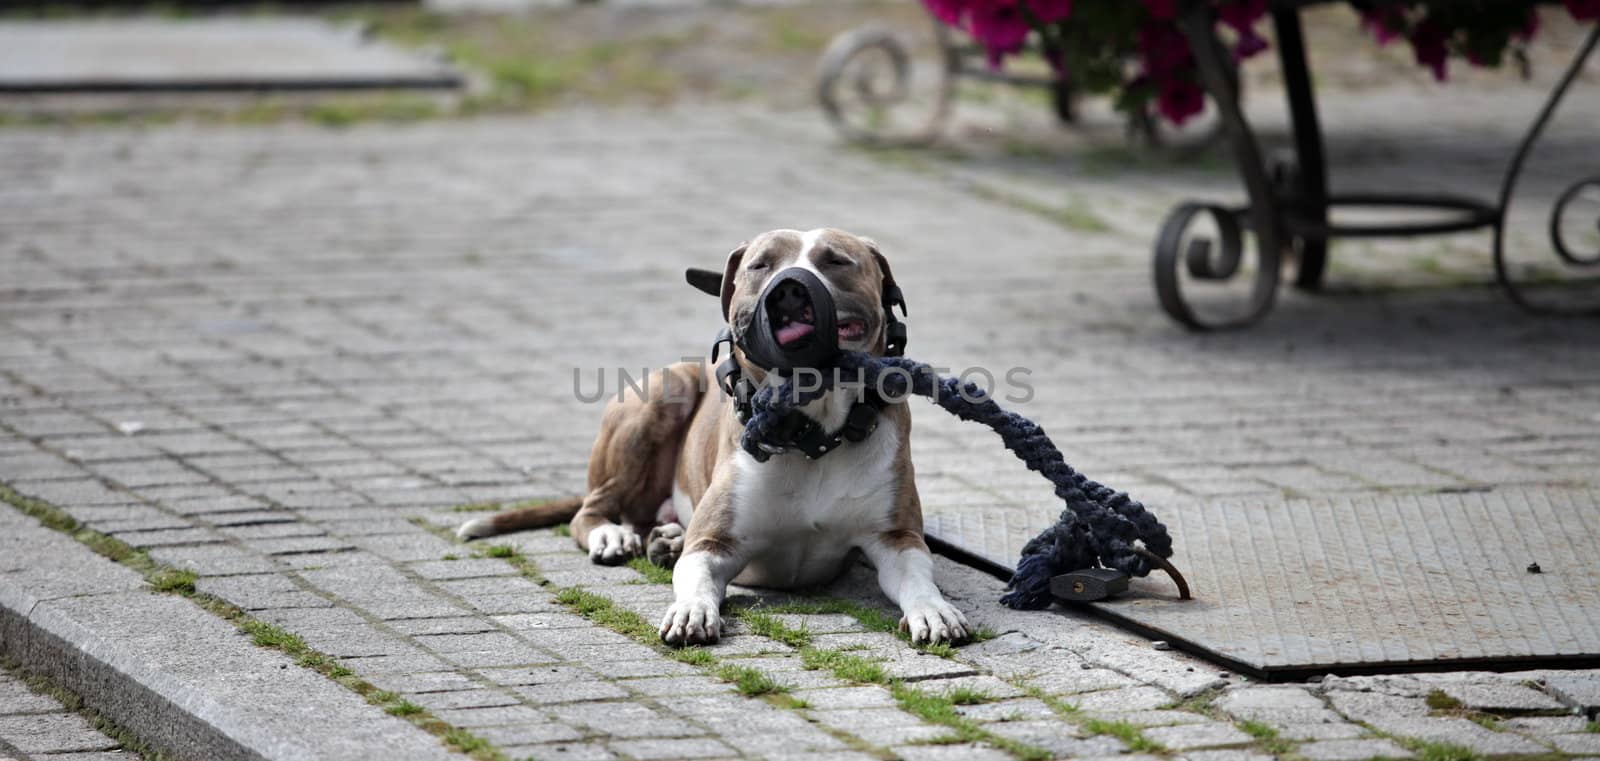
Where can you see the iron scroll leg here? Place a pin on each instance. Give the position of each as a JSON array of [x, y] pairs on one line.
[[1502, 272], [1263, 216]]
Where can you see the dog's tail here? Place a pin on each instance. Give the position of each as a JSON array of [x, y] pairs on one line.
[[542, 515]]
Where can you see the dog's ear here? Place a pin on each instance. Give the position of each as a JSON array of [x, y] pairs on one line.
[[703, 280], [730, 273], [892, 297], [710, 283]]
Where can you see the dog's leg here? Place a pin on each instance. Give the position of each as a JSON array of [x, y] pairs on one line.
[[700, 579], [607, 542], [905, 571], [699, 582], [632, 463], [665, 545]]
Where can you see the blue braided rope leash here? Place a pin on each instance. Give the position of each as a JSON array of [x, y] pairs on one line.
[[1098, 528]]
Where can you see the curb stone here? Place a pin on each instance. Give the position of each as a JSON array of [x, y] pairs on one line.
[[178, 677]]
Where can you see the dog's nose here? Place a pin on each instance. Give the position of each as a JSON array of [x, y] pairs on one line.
[[790, 298]]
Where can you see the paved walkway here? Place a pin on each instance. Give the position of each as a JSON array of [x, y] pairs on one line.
[[284, 357], [36, 727]]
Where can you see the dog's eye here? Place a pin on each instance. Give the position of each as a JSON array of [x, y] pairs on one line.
[[757, 266], [833, 259]]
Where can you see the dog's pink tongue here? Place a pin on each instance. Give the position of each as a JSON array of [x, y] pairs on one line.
[[794, 331]]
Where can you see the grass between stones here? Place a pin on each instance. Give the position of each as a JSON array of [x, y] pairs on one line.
[[932, 707], [651, 572], [1267, 738], [181, 582], [1438, 751], [42, 685], [1124, 731]]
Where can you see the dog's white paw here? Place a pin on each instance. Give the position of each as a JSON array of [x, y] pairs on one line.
[[475, 528], [612, 544], [933, 620], [696, 622]]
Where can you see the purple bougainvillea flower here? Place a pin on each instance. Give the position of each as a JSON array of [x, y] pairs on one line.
[[1051, 11], [998, 25], [1242, 14], [1180, 99], [1427, 42], [948, 11], [1385, 24], [1164, 49], [1584, 10], [1161, 10], [1249, 44]]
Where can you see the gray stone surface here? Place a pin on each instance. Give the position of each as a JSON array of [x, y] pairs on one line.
[[242, 52], [1352, 750], [355, 330], [187, 681], [36, 727]]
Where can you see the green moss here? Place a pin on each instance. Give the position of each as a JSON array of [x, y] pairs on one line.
[[273, 636], [477, 507], [767, 625], [606, 613], [940, 709], [403, 708], [1439, 701], [694, 656], [749, 681], [500, 551], [850, 668], [1593, 727], [173, 580], [966, 696], [1437, 751], [562, 530], [1127, 733], [650, 571], [1268, 738]]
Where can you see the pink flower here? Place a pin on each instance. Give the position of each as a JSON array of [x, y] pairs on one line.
[[1164, 49], [999, 27], [1584, 10], [1161, 10], [1428, 44], [1249, 44], [1051, 11], [1242, 14], [1385, 23], [948, 11], [1180, 99]]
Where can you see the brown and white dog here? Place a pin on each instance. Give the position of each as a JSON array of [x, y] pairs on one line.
[[671, 456]]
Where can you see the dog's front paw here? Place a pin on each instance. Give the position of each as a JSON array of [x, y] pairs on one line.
[[665, 545], [612, 544], [691, 623], [931, 621]]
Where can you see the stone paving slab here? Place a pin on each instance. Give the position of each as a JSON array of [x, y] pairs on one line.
[[1393, 581], [187, 682], [246, 54]]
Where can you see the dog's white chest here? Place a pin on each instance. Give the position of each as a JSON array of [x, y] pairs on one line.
[[802, 517]]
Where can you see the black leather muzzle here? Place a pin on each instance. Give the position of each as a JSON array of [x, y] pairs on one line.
[[777, 337]]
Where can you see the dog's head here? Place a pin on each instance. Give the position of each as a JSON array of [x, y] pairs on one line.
[[786, 288]]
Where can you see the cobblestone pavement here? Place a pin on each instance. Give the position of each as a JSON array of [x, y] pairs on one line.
[[35, 727], [284, 358]]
